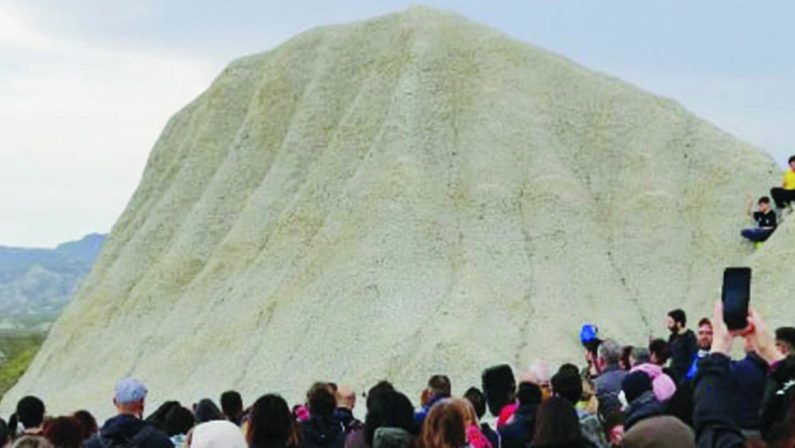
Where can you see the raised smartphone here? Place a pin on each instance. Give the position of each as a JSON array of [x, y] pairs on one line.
[[736, 296]]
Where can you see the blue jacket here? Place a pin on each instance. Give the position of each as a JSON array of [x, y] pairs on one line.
[[420, 415]]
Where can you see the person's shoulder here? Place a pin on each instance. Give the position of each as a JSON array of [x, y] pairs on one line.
[[155, 438]]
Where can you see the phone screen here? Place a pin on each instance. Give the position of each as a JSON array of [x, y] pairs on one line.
[[736, 295]]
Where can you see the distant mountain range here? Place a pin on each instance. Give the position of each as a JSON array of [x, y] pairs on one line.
[[36, 284]]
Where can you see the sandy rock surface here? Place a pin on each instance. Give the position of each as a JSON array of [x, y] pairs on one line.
[[399, 197]]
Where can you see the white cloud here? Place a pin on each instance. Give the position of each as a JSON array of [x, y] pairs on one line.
[[77, 121], [17, 31]]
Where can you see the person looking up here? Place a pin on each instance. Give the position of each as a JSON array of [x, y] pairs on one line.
[[591, 353], [127, 427], [682, 342], [765, 219], [785, 194]]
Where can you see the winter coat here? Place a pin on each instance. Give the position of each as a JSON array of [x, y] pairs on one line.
[[683, 347], [321, 432], [127, 427], [347, 420], [608, 386], [641, 408], [712, 418]]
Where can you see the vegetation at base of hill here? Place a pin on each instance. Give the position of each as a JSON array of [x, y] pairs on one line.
[[18, 352]]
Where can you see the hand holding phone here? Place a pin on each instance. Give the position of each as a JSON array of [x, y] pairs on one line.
[[735, 297]]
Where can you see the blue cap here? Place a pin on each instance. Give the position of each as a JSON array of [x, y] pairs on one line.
[[588, 333], [129, 390]]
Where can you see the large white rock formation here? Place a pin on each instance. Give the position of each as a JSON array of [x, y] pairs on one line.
[[394, 198]]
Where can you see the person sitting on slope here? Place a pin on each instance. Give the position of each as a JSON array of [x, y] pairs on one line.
[[765, 221], [785, 194]]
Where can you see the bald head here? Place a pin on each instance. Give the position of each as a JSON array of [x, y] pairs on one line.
[[346, 397]]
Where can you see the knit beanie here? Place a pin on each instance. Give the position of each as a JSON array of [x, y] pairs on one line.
[[635, 384]]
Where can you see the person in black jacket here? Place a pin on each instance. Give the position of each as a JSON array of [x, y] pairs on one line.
[[322, 430], [127, 427], [714, 424], [518, 432], [346, 401], [641, 402], [682, 343]]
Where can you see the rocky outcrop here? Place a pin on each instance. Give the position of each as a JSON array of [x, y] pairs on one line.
[[393, 198]]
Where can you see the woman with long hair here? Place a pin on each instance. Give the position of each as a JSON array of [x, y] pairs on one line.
[[271, 424], [558, 426], [445, 426]]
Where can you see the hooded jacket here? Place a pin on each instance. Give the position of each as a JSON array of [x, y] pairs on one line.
[[643, 407], [126, 427], [392, 438]]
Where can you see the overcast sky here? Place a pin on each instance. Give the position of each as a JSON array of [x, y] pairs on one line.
[[86, 86]]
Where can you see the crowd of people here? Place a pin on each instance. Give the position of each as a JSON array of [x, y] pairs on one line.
[[766, 217], [683, 391]]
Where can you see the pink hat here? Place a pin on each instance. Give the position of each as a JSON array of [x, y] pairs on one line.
[[664, 387]]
